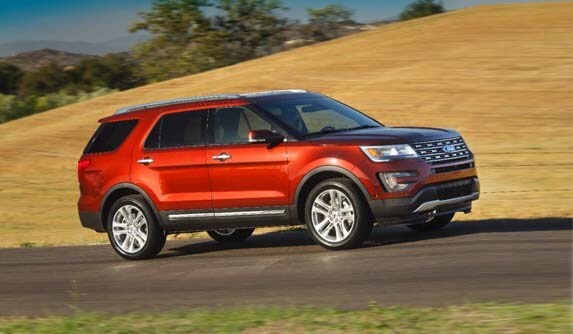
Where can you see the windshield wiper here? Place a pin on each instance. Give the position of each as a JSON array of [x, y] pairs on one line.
[[323, 132], [362, 127]]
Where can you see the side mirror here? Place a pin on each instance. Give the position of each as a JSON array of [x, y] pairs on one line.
[[266, 136]]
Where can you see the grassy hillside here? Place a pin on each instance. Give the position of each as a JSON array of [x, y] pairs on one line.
[[503, 75]]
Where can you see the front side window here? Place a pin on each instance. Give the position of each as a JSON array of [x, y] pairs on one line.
[[232, 125], [312, 115], [180, 129]]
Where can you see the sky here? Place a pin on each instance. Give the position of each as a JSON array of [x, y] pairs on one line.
[[103, 20]]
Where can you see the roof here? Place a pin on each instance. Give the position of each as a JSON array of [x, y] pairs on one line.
[[207, 98]]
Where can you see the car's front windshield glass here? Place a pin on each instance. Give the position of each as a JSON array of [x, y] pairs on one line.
[[317, 115]]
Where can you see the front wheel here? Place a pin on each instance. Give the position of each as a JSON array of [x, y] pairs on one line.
[[337, 215], [133, 230], [435, 224], [228, 235]]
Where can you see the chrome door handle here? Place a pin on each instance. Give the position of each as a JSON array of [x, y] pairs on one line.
[[145, 161], [222, 156]]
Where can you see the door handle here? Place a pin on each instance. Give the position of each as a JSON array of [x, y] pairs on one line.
[[222, 156], [145, 161]]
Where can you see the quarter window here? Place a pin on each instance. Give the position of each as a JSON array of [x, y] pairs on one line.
[[109, 136], [178, 130]]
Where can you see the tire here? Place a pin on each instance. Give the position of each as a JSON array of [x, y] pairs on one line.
[[231, 235], [332, 229], [126, 235], [434, 224]]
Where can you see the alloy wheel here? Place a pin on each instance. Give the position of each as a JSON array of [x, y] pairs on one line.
[[130, 229], [333, 215]]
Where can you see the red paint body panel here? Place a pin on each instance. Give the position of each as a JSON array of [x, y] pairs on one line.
[[178, 179], [106, 170], [254, 176]]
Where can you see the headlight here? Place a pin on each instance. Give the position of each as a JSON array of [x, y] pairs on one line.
[[389, 152]]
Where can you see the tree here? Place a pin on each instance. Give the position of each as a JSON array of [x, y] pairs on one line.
[[250, 28], [10, 77], [326, 23], [115, 71], [187, 41], [174, 21], [421, 8], [47, 79], [175, 24]]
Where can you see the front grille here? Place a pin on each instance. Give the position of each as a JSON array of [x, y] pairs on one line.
[[434, 152], [455, 189], [452, 168]]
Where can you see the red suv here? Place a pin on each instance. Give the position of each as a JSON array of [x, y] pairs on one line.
[[227, 164]]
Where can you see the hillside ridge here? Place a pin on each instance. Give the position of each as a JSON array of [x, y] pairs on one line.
[[34, 60]]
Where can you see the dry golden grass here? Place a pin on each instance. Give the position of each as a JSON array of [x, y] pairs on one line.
[[503, 75]]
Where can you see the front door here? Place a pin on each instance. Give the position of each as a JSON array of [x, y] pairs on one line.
[[247, 179]]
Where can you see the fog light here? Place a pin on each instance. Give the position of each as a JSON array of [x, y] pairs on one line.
[[393, 183]]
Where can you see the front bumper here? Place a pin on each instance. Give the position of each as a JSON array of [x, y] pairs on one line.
[[428, 202]]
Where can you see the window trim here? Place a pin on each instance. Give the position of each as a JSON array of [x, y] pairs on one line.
[[160, 118]]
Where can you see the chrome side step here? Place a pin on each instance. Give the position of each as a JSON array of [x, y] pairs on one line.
[[184, 216]]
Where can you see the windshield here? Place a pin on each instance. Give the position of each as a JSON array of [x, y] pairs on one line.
[[317, 115]]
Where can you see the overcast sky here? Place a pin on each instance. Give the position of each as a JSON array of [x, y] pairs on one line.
[[102, 20]]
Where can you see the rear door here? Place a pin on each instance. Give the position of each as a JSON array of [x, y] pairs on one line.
[[171, 166], [247, 179]]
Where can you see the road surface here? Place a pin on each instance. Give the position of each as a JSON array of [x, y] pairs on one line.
[[481, 261]]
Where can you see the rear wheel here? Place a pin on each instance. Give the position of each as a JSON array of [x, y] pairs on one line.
[[337, 215], [133, 230], [230, 234], [435, 224]]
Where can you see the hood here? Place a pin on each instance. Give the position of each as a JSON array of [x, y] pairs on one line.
[[387, 135]]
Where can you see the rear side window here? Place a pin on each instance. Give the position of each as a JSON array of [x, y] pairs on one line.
[[178, 130], [109, 136]]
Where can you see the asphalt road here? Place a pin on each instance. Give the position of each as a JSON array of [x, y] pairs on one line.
[[482, 261]]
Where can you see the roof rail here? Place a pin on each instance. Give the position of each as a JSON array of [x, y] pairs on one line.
[[270, 92], [202, 99], [176, 101]]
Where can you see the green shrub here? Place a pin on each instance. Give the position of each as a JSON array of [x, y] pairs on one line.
[[421, 8], [14, 107]]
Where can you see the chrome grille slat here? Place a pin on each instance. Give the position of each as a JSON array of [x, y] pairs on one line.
[[442, 153], [449, 158], [433, 151]]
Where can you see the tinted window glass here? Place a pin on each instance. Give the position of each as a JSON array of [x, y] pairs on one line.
[[232, 125], [109, 136], [178, 130]]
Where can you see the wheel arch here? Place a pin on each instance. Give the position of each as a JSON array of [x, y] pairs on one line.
[[121, 190], [314, 177]]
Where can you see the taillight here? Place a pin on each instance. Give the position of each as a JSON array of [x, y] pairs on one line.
[[82, 165]]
